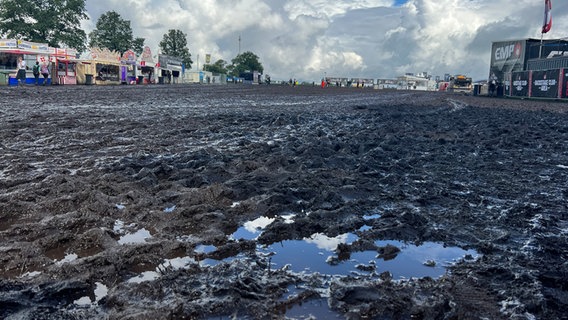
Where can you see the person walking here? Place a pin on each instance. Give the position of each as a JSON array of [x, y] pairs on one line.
[[35, 70], [45, 72], [21, 76]]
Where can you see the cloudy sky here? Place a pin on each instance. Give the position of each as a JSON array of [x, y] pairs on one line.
[[307, 39]]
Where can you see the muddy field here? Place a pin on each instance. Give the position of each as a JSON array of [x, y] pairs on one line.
[[201, 202]]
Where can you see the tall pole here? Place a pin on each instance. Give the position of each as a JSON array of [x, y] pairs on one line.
[[540, 49], [239, 44]]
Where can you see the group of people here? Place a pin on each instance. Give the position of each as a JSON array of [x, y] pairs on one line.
[[37, 69]]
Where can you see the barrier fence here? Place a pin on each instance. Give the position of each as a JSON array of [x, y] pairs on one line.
[[552, 84]]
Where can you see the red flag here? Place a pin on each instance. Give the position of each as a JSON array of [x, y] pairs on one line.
[[547, 24]]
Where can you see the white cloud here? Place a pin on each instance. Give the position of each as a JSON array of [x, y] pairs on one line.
[[366, 38]]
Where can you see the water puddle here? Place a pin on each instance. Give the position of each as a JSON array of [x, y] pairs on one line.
[[139, 236], [317, 254], [31, 274], [99, 292], [70, 257], [168, 264], [312, 309], [308, 310], [252, 229], [372, 217]]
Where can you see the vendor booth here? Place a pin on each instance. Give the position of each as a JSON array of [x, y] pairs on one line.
[[170, 69], [146, 67], [128, 70], [100, 66], [65, 62], [11, 50]]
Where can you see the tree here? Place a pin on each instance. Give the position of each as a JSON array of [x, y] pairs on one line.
[[138, 45], [246, 62], [174, 44], [114, 33], [54, 22], [220, 66]]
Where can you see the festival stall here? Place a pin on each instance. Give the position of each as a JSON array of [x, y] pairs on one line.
[[100, 66], [65, 62], [169, 68], [11, 50], [146, 67], [128, 68]]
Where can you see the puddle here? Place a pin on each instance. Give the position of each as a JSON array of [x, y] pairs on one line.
[[312, 309], [168, 264], [30, 274], [139, 236], [57, 253], [144, 276], [308, 310], [252, 229], [316, 254], [118, 226], [70, 257], [100, 292], [170, 209], [205, 248], [372, 216]]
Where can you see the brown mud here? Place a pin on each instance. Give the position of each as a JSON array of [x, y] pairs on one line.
[[84, 171]]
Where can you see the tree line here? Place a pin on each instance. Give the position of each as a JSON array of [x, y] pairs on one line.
[[56, 23]]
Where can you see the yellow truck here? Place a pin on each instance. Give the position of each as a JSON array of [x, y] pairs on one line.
[[461, 83]]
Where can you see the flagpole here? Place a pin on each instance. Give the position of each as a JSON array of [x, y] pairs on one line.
[[546, 25], [540, 49]]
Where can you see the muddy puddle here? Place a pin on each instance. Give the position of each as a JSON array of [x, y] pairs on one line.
[[317, 253]]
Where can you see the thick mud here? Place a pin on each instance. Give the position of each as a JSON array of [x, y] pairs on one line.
[[126, 202]]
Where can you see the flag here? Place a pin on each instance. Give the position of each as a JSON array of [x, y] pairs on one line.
[[547, 24]]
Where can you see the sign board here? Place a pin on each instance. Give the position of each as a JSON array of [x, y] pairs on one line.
[[544, 84], [520, 84], [8, 44], [33, 47], [129, 57], [105, 55], [146, 57], [169, 62], [507, 56]]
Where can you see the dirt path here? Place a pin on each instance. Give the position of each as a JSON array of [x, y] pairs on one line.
[[123, 202]]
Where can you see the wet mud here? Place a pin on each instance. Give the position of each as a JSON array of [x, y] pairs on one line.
[[126, 202]]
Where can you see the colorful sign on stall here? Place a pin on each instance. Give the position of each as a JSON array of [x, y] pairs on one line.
[[33, 47], [8, 44], [129, 57], [146, 57], [105, 54]]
